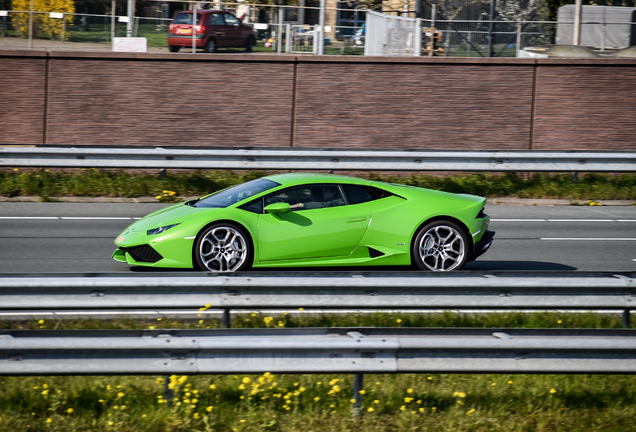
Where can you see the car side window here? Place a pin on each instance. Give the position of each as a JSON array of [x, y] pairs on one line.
[[216, 19], [231, 19], [357, 194], [255, 206], [309, 197]]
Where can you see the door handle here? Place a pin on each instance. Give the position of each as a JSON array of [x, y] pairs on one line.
[[357, 219]]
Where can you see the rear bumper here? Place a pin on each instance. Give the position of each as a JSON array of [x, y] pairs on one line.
[[484, 244]]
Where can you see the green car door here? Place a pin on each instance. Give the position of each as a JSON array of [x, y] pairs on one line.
[[308, 227]]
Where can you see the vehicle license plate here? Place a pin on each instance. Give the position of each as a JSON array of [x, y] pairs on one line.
[[184, 31]]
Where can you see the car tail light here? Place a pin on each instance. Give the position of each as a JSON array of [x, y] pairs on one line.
[[200, 28]]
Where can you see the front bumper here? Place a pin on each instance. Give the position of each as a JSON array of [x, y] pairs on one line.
[[484, 244]]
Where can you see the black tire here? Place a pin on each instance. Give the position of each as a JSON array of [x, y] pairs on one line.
[[210, 46], [249, 44], [223, 247], [173, 48], [441, 246]]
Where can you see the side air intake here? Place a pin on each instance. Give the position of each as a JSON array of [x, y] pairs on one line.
[[374, 253]]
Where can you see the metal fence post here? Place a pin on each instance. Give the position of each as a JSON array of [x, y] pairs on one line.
[[418, 37], [169, 393], [627, 319], [357, 388], [288, 36], [226, 320]]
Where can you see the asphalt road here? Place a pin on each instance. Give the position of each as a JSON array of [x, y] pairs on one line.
[[78, 238]]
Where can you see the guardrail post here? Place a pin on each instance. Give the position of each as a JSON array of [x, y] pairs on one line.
[[226, 319], [357, 388], [627, 319], [169, 393]]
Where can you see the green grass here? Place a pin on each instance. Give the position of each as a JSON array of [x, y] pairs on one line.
[[91, 182], [286, 403]]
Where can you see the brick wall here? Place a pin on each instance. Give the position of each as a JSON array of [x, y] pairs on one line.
[[237, 100]]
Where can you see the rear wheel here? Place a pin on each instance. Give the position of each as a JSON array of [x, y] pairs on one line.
[[441, 246], [249, 44], [223, 247], [173, 48], [210, 46]]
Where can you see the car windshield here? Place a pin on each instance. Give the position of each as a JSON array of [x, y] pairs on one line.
[[227, 197], [185, 18]]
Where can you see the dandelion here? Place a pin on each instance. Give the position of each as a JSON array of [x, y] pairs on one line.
[[409, 390], [246, 380], [110, 423], [399, 320], [559, 322], [429, 378], [352, 401], [70, 410], [268, 320], [421, 410], [403, 408], [212, 386], [408, 399], [158, 197], [151, 327], [120, 395], [470, 411], [49, 420], [209, 409], [552, 391], [510, 382], [316, 399], [160, 380], [460, 394], [494, 384], [45, 392], [333, 381], [371, 409], [376, 401], [419, 401], [362, 391]]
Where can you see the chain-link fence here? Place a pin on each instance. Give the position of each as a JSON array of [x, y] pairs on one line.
[[457, 28]]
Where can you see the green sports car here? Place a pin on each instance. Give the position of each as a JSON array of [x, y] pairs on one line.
[[311, 220]]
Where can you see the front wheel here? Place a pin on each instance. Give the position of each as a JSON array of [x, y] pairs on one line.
[[441, 246], [249, 44], [223, 247]]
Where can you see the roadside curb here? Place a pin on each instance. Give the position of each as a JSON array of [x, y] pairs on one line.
[[491, 201]]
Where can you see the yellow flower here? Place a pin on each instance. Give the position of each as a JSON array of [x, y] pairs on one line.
[[120, 395], [110, 423], [371, 409], [195, 415], [151, 327], [316, 399], [301, 309], [362, 391], [352, 401], [246, 380], [429, 378], [268, 320], [70, 410], [209, 409], [460, 394], [45, 392], [403, 408], [494, 384], [559, 322], [158, 197], [470, 411], [408, 399], [399, 320], [409, 390], [49, 420], [421, 409], [552, 391], [509, 382], [376, 401], [333, 381]]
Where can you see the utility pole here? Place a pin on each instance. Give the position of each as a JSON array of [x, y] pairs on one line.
[[490, 27]]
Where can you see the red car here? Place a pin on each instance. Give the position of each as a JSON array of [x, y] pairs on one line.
[[215, 29]]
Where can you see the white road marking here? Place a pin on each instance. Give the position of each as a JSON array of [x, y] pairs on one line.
[[517, 220], [65, 218], [580, 220], [93, 218], [589, 238], [29, 217]]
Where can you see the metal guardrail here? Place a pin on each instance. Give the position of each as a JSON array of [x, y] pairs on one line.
[[317, 350], [362, 290], [297, 159]]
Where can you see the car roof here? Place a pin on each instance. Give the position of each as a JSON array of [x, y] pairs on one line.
[[291, 179], [202, 11]]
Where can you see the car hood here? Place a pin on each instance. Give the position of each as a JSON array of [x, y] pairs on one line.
[[166, 216]]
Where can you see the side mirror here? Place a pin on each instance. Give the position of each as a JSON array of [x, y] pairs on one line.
[[276, 208]]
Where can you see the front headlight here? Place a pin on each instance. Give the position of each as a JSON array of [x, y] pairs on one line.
[[160, 229]]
